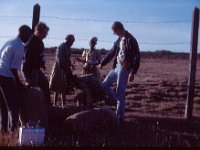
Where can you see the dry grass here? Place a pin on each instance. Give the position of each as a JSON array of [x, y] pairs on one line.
[[7, 139]]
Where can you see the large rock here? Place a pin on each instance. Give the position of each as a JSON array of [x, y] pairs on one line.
[[33, 107], [56, 118], [97, 120], [57, 115]]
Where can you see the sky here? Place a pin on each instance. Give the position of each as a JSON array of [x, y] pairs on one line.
[[156, 24]]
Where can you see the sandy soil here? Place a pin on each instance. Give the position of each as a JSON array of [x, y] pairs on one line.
[[159, 88]]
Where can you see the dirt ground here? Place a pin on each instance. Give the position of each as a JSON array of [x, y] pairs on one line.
[[155, 104], [159, 87], [155, 107]]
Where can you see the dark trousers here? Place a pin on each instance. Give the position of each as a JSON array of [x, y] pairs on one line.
[[9, 103]]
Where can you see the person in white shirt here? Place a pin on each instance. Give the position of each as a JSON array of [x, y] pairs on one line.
[[92, 58], [11, 56]]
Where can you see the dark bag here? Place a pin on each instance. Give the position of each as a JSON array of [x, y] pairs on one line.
[[88, 69]]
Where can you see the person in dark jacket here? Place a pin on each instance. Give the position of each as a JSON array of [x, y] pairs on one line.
[[126, 54], [34, 61]]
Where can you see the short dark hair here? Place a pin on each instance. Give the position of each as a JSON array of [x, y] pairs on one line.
[[24, 29], [94, 40], [70, 37], [24, 32], [41, 26], [117, 26]]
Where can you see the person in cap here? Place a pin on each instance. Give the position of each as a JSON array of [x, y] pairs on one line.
[[61, 74], [126, 54], [91, 59], [11, 56]]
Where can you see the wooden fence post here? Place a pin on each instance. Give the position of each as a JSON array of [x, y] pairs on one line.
[[192, 66], [36, 15]]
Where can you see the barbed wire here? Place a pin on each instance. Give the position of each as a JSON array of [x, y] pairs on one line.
[[102, 20], [125, 21], [104, 41], [9, 16], [99, 20], [171, 43]]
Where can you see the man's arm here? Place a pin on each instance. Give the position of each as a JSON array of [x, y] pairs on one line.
[[131, 77], [15, 73], [134, 56], [109, 56], [80, 60], [136, 65]]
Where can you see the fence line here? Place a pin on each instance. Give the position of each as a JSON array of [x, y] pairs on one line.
[[100, 20], [103, 21], [104, 41], [125, 21]]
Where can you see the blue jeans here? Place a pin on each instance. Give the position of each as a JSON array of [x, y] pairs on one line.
[[119, 75]]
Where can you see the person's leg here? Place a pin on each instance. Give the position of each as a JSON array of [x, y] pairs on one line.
[[108, 82], [4, 111], [12, 99], [44, 85], [63, 95], [97, 74], [55, 98], [121, 90], [14, 106], [89, 100], [35, 77]]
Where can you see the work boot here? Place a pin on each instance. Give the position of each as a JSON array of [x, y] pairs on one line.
[[111, 102]]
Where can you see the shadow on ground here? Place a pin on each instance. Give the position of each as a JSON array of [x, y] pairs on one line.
[[141, 131]]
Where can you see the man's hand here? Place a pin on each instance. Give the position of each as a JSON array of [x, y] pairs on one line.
[[28, 82], [126, 64], [72, 66], [100, 66], [43, 67], [131, 77], [20, 85]]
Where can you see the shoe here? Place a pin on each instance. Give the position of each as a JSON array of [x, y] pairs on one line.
[[121, 122], [110, 102], [50, 103]]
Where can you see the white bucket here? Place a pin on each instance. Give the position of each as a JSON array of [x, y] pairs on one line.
[[31, 136]]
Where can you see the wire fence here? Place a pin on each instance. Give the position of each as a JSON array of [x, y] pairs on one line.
[[108, 21], [98, 20], [57, 18]]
